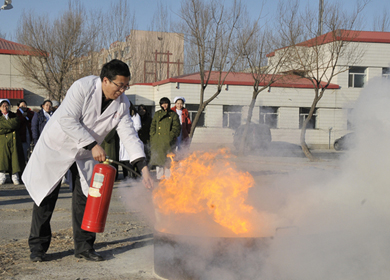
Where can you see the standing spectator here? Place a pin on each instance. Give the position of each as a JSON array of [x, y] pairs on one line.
[[25, 116], [143, 133], [183, 140], [123, 155], [11, 150], [164, 130], [40, 119]]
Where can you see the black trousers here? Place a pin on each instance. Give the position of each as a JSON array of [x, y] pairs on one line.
[[40, 233]]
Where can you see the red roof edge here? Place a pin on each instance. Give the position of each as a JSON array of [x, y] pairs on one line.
[[238, 83], [142, 84], [12, 93]]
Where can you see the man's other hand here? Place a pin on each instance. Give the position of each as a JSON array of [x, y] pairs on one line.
[[147, 178]]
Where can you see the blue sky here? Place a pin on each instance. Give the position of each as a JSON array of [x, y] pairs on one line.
[[145, 9]]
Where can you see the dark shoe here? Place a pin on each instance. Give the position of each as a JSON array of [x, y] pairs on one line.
[[90, 255], [37, 256]]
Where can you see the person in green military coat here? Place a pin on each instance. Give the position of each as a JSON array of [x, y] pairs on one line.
[[11, 150], [164, 130]]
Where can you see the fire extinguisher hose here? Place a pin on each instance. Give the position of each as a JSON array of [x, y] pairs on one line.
[[124, 166]]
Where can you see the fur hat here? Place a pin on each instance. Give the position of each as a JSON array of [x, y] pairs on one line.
[[5, 100], [178, 98]]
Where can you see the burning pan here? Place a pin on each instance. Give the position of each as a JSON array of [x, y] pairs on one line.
[[180, 257]]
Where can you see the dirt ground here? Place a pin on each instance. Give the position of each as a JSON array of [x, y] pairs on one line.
[[127, 242]]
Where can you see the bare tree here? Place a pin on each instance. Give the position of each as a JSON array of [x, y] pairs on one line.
[[213, 32], [117, 23], [323, 57], [3, 35], [382, 21], [264, 74], [57, 48]]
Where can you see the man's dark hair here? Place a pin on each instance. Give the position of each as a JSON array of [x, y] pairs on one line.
[[21, 101], [113, 68]]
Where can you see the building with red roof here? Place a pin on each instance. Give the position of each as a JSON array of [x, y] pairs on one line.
[[13, 85], [286, 103]]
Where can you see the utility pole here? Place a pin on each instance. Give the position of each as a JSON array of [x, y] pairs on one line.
[[320, 18]]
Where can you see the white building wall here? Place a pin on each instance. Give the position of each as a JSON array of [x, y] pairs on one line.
[[235, 95], [213, 137], [374, 72], [288, 118], [331, 118], [141, 94], [214, 116], [375, 54], [286, 135], [5, 71]]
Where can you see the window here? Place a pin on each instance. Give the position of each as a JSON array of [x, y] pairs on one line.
[[386, 72], [192, 110], [356, 77], [231, 116], [269, 116], [303, 113]]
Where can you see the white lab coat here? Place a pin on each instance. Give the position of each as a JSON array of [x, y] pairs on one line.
[[123, 154], [76, 124]]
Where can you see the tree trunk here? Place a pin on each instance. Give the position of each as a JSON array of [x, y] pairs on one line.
[[304, 146], [195, 121], [243, 143]]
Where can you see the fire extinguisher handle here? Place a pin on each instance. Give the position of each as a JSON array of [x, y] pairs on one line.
[[124, 166]]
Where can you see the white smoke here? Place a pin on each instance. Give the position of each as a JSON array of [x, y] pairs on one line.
[[342, 221], [333, 221]]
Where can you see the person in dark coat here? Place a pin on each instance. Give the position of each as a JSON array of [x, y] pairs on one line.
[[143, 133], [111, 147], [11, 150], [55, 105], [40, 119], [164, 130], [25, 116]]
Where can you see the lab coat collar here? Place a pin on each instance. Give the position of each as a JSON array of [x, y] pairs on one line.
[[98, 97], [111, 109]]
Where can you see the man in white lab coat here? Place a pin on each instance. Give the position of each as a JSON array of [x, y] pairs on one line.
[[93, 106]]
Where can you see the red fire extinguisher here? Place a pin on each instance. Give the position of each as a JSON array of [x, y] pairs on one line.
[[99, 196]]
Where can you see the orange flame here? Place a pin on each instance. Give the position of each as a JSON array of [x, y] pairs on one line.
[[207, 182]]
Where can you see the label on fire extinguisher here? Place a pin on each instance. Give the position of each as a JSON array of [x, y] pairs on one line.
[[96, 185]]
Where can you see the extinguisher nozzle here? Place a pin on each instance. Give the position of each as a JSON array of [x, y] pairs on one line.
[[124, 166]]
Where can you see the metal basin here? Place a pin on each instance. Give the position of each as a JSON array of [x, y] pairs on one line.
[[181, 257]]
